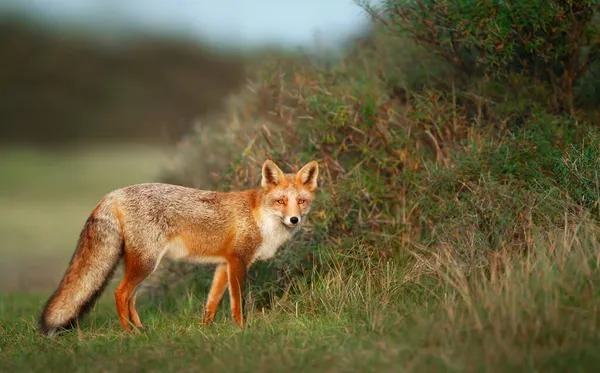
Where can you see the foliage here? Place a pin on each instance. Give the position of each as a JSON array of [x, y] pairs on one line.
[[453, 180], [407, 163], [537, 41]]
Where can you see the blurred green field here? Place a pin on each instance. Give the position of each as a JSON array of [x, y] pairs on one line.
[[45, 197]]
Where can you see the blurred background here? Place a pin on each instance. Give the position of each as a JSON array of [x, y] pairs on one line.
[[96, 94]]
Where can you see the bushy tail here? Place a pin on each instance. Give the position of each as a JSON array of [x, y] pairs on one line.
[[98, 252]]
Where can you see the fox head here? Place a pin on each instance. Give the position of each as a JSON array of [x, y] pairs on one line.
[[289, 196]]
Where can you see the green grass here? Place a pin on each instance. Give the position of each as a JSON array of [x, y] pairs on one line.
[[272, 343], [429, 314]]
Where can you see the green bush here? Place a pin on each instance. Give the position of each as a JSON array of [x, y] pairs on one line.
[[551, 44], [472, 167]]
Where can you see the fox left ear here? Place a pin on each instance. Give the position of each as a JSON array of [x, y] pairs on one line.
[[308, 175]]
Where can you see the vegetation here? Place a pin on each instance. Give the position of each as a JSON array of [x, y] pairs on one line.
[[456, 227], [461, 132], [531, 313]]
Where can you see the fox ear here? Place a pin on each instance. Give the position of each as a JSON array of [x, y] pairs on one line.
[[271, 174], [308, 175]]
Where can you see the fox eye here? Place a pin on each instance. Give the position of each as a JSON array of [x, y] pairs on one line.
[[280, 201], [301, 201]]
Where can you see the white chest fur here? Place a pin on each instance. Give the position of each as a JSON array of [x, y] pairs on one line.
[[274, 234]]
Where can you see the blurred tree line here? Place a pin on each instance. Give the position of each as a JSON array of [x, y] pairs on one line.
[[64, 88]]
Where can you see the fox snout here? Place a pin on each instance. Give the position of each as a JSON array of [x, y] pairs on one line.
[[291, 221]]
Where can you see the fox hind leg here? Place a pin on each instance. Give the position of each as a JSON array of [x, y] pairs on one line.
[[136, 271], [135, 318]]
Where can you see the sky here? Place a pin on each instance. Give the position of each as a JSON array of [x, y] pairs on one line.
[[243, 23]]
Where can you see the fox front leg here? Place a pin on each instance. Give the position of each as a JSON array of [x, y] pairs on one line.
[[237, 271]]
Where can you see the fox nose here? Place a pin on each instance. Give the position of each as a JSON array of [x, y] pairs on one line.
[[294, 220]]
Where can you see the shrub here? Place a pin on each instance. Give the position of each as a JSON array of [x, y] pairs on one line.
[[457, 166], [547, 43]]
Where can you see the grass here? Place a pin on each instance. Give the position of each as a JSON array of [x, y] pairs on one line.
[[271, 343], [430, 314]]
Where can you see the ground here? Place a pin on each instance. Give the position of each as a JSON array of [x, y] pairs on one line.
[[177, 342]]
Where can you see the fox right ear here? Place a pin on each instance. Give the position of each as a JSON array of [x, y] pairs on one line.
[[271, 174]]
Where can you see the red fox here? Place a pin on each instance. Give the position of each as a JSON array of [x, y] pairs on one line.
[[143, 223]]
